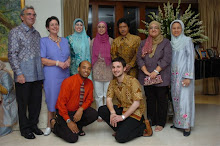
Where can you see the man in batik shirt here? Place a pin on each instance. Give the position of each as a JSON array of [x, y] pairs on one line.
[[24, 58], [126, 46], [126, 118]]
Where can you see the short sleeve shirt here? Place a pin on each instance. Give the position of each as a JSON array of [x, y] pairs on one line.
[[126, 93]]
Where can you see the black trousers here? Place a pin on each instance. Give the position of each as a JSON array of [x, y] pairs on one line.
[[29, 98], [62, 130], [157, 104], [126, 130]]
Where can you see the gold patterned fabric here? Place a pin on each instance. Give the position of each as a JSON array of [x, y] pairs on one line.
[[126, 93], [126, 47]]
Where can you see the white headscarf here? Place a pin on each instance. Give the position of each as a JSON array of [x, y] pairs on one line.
[[179, 42]]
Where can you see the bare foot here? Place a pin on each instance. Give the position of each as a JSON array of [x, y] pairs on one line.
[[99, 120], [158, 128]]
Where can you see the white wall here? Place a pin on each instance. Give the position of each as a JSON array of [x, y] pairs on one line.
[[45, 9]]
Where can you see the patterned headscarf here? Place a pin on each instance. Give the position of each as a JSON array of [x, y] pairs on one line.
[[150, 45], [101, 46], [180, 41]]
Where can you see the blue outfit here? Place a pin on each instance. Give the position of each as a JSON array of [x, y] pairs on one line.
[[182, 67], [80, 48], [54, 75], [8, 107], [24, 53]]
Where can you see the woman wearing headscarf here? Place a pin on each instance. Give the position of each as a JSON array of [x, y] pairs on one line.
[[80, 46], [182, 78], [153, 58], [8, 104], [101, 63]]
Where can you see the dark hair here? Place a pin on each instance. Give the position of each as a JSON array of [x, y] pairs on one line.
[[119, 59], [50, 19], [125, 20]]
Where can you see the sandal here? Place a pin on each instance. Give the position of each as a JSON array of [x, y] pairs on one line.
[[81, 133], [148, 131], [114, 134], [52, 126]]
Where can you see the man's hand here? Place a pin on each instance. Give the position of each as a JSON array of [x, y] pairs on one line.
[[114, 119], [78, 115], [21, 79], [73, 127]]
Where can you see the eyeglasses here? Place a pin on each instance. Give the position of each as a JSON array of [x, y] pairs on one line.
[[30, 14], [153, 27]]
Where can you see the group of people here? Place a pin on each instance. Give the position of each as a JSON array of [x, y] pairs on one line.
[[71, 68]]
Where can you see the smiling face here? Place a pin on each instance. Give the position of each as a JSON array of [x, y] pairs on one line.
[[53, 27], [84, 69], [123, 29], [118, 69], [176, 29], [101, 28], [29, 17], [154, 30], [79, 27]]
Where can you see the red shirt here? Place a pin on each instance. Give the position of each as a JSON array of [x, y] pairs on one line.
[[69, 96]]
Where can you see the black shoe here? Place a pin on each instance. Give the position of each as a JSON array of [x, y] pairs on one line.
[[37, 131], [185, 133], [28, 135]]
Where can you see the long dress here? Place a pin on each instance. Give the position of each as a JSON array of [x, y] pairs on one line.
[[8, 106], [182, 67], [54, 75]]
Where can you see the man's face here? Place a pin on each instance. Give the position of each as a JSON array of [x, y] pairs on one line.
[[29, 17], [84, 69], [118, 69], [123, 29]]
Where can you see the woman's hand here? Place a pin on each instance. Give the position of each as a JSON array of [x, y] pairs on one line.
[[62, 65], [153, 75], [67, 63], [185, 82]]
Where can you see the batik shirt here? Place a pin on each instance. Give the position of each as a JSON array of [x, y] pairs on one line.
[[127, 47], [126, 92], [24, 53]]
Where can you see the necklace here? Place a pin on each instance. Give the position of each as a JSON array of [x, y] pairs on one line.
[[56, 41]]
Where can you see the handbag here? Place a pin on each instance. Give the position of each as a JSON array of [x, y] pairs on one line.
[[149, 81]]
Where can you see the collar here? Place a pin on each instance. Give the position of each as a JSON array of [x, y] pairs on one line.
[[80, 79], [26, 28], [125, 80], [125, 37]]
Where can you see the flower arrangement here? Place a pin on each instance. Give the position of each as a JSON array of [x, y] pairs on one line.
[[193, 26]]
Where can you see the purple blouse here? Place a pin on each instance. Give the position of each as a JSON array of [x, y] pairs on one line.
[[162, 58]]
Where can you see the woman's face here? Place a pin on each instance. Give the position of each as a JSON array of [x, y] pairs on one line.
[[53, 27], [154, 30], [176, 29], [78, 27], [101, 28]]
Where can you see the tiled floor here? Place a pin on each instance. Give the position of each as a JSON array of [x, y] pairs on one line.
[[205, 133]]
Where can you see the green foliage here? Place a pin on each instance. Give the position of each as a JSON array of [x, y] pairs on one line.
[[9, 16], [193, 26]]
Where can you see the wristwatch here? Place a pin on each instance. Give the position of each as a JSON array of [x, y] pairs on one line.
[[68, 120], [123, 117]]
